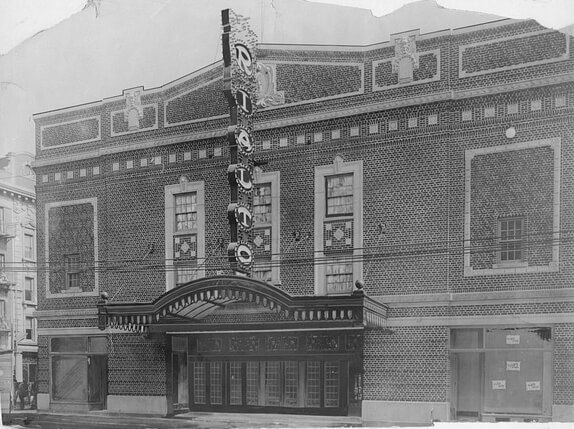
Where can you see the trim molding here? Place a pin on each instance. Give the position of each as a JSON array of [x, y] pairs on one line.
[[94, 202], [506, 319], [478, 298], [553, 266]]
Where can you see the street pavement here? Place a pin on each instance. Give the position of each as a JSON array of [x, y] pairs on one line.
[[101, 419]]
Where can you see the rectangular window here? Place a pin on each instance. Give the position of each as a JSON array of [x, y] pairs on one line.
[[28, 246], [2, 262], [339, 195], [29, 289], [186, 211], [199, 383], [184, 274], [262, 217], [339, 277], [313, 384], [29, 328], [252, 382], [504, 370], [262, 270], [332, 384], [3, 310], [262, 204], [216, 383], [184, 232], [511, 240], [2, 221], [72, 263], [235, 384]]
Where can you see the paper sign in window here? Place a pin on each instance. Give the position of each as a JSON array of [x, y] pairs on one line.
[[498, 384], [532, 385], [512, 365], [513, 339]]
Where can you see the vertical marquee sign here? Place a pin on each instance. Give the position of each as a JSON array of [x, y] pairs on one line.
[[240, 85]]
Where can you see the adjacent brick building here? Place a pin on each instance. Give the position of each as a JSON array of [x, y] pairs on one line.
[[412, 238]]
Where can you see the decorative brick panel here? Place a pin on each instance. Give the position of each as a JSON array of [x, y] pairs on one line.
[[321, 80], [516, 183], [136, 366], [81, 131], [205, 102], [71, 231], [411, 364], [515, 51], [563, 369]]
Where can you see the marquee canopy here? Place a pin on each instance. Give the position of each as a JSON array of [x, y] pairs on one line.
[[185, 307]]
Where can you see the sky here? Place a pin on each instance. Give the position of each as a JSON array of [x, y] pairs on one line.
[[21, 19], [44, 67]]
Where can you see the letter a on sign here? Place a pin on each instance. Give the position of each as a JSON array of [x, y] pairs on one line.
[[243, 139], [244, 60]]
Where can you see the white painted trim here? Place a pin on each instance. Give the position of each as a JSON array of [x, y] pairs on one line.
[[506, 319], [71, 332], [463, 48], [355, 167], [67, 313], [97, 138], [478, 298], [139, 130], [94, 202], [273, 177], [436, 77], [553, 266], [170, 192]]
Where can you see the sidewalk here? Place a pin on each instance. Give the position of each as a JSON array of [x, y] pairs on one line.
[[198, 420]]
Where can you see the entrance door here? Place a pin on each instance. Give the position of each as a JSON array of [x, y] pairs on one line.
[[97, 376], [468, 381], [269, 385]]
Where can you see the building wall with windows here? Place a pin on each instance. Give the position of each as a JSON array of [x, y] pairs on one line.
[[18, 336], [433, 169]]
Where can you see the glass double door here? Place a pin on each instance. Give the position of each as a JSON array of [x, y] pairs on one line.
[[267, 384]]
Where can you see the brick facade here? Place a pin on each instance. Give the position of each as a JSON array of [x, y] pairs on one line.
[[434, 187]]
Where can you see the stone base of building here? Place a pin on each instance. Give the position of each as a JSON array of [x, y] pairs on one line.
[[43, 401], [148, 405], [405, 411], [563, 413]]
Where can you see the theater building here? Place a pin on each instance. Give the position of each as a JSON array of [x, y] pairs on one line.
[[411, 236]]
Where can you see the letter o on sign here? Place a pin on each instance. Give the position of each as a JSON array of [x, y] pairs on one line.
[[244, 255]]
